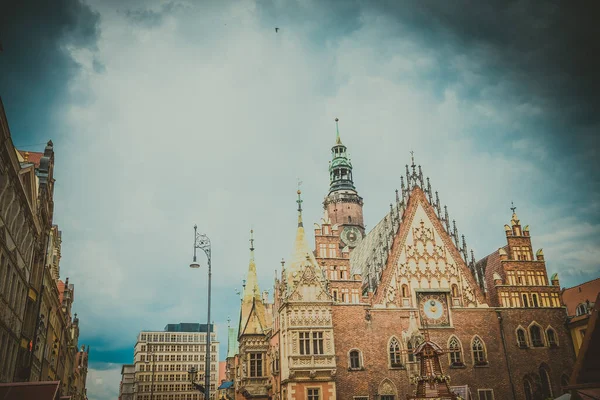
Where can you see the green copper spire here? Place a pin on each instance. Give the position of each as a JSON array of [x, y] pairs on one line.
[[340, 167]]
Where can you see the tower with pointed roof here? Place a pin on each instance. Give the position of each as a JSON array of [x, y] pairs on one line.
[[253, 337], [343, 206], [306, 342]]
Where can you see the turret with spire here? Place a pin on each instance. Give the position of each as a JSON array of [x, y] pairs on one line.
[[252, 315], [343, 205]]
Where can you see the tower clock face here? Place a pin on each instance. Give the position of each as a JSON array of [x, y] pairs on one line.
[[351, 236], [434, 308]]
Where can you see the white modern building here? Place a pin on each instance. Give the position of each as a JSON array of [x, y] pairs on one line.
[[162, 360]]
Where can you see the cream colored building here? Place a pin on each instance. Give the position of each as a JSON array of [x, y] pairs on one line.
[[162, 360]]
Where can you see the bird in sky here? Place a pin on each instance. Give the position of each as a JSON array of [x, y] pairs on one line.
[[276, 30]]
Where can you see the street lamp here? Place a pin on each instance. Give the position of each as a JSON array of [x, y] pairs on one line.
[[192, 374], [202, 242]]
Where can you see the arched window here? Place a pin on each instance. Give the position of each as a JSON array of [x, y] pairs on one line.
[[534, 300], [546, 385], [478, 351], [564, 382], [581, 309], [395, 359], [527, 388], [411, 356], [405, 296], [521, 338], [349, 219], [525, 301], [454, 290], [355, 359], [551, 335], [404, 290], [536, 336], [455, 352]]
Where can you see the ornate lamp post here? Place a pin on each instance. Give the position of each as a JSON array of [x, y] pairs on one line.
[[192, 373], [202, 242]]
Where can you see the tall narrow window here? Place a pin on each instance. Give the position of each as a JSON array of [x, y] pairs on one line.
[[455, 352], [411, 356], [478, 351], [318, 343], [256, 361], [521, 339], [354, 359], [395, 360], [534, 300], [551, 337], [536, 336], [454, 290], [546, 385], [528, 390], [304, 338], [525, 301]]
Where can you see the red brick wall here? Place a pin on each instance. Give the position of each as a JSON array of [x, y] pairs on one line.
[[352, 331]]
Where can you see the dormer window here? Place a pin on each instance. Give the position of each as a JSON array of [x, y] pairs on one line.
[[581, 309]]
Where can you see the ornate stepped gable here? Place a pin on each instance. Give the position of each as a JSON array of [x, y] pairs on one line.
[[413, 245]]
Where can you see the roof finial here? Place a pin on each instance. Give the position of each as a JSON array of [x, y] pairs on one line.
[[251, 239], [299, 201], [412, 158], [337, 129], [513, 208]]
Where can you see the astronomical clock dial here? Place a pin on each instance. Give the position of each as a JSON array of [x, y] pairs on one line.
[[351, 236], [434, 308]]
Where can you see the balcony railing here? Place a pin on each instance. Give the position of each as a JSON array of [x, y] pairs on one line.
[[312, 361]]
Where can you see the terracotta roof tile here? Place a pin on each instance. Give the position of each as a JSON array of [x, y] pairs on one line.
[[576, 295], [32, 157]]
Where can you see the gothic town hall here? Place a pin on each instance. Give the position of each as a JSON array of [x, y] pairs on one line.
[[348, 317]]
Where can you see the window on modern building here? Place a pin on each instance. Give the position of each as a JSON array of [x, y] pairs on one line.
[[551, 334], [455, 352], [536, 336], [581, 309], [485, 394], [304, 338], [354, 359], [478, 348], [521, 338], [313, 394], [256, 361], [317, 343], [395, 353]]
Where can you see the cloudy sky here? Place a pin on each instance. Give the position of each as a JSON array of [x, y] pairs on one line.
[[170, 114]]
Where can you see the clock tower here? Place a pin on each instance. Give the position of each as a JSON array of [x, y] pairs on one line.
[[343, 206]]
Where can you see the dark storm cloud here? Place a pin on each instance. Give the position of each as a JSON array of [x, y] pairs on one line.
[[35, 66]]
